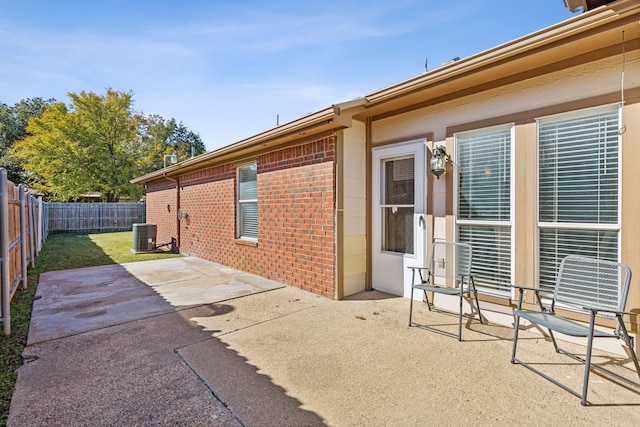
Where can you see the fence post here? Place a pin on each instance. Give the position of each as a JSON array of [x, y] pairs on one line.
[[45, 220], [23, 236], [39, 226], [4, 252], [32, 226]]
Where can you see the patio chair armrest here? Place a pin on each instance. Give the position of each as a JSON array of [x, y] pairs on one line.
[[528, 288], [423, 274], [604, 310], [525, 288]]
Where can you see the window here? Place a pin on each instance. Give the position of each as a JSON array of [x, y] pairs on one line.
[[398, 204], [248, 201], [578, 194], [484, 203]]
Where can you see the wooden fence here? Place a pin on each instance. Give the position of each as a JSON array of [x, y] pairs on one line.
[[20, 240], [88, 217], [25, 222]]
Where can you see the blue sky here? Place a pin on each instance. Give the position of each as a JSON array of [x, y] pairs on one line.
[[228, 69]]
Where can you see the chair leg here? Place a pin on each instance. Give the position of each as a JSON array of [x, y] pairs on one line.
[[475, 294], [460, 316], [553, 339], [426, 298], [515, 338], [410, 306], [587, 364], [627, 340]]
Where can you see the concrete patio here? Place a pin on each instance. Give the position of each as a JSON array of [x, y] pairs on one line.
[[187, 342]]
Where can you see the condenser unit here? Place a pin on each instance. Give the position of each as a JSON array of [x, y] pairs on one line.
[[144, 237]]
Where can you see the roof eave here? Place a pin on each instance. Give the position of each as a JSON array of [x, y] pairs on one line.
[[331, 118]]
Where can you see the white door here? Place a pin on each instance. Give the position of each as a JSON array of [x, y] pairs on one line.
[[399, 215]]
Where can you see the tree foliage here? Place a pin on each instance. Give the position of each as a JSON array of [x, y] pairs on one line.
[[160, 137], [98, 143], [13, 127]]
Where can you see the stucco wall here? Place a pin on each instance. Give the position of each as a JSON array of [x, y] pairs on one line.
[[354, 182], [629, 239], [580, 82], [586, 85]]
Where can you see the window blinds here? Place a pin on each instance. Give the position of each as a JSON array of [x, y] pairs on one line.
[[491, 255], [578, 188], [485, 175], [578, 169], [484, 203], [248, 201]]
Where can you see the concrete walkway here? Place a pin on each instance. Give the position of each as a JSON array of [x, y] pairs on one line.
[[187, 342]]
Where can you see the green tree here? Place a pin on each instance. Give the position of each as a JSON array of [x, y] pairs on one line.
[[160, 137], [13, 127], [88, 146], [108, 141], [98, 144]]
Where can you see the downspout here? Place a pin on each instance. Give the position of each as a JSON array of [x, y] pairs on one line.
[[177, 207]]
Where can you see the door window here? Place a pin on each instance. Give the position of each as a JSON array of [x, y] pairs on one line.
[[398, 197]]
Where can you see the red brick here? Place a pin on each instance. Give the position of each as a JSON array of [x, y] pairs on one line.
[[296, 203]]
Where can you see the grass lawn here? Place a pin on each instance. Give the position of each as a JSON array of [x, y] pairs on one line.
[[60, 252]]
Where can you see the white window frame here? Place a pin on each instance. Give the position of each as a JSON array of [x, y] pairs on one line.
[[485, 223], [577, 226], [241, 201]]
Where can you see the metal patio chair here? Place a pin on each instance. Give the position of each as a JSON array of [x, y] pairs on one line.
[[593, 286], [448, 273]]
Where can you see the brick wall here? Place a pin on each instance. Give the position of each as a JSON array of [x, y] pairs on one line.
[[162, 209], [208, 198], [295, 216]]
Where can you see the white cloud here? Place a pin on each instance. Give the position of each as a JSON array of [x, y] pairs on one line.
[[227, 69]]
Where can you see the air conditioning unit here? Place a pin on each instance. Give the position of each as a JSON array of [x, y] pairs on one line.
[[144, 237]]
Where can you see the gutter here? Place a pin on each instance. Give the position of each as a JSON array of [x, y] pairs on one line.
[[329, 117], [177, 208]]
